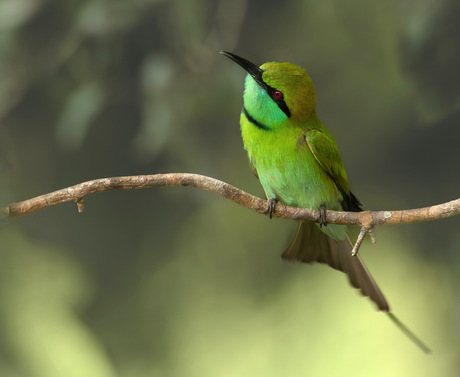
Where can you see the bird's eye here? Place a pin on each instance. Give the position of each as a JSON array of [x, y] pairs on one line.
[[277, 94]]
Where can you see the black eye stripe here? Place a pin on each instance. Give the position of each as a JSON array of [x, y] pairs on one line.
[[279, 101]]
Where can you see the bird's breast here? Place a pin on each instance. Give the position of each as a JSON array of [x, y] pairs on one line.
[[286, 167]]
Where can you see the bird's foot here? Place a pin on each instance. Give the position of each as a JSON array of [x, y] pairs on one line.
[[322, 216], [271, 203]]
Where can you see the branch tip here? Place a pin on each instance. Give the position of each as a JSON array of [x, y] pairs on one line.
[[371, 232], [4, 211], [80, 204]]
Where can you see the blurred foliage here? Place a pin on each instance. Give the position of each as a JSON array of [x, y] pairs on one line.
[[179, 282]]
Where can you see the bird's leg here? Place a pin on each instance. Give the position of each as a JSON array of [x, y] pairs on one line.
[[322, 215], [271, 203]]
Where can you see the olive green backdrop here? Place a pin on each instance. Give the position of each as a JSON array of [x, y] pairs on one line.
[[180, 282]]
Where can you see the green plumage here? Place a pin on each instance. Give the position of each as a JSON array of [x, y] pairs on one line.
[[290, 172], [298, 163], [296, 158]]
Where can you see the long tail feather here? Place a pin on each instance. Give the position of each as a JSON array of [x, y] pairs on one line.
[[414, 338], [311, 245]]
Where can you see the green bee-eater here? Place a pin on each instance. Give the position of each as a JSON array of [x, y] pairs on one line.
[[298, 164]]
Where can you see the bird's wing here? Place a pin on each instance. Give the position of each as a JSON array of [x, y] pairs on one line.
[[325, 150]]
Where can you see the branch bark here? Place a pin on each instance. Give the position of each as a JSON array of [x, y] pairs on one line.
[[367, 219]]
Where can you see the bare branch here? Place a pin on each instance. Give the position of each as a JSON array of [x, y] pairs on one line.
[[367, 219]]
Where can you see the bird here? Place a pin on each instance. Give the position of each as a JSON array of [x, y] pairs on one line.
[[298, 163]]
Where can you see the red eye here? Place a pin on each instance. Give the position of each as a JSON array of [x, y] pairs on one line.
[[277, 94]]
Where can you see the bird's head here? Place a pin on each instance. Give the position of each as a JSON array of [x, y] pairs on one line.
[[276, 92]]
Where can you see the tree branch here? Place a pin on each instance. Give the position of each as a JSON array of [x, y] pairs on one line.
[[367, 219]]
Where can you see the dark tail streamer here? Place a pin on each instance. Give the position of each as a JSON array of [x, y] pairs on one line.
[[416, 340]]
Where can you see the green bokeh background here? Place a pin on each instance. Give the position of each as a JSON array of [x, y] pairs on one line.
[[180, 282]]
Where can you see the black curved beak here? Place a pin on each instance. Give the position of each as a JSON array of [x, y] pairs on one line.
[[249, 67]]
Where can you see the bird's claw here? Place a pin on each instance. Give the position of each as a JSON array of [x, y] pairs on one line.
[[271, 203], [322, 216]]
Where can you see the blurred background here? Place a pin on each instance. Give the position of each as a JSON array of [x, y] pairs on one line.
[[180, 282]]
